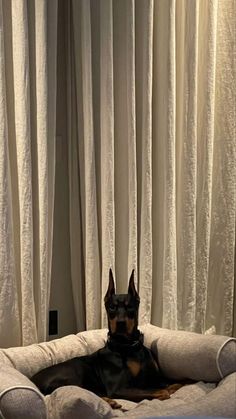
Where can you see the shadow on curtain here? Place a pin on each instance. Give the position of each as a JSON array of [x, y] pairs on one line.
[[151, 109]]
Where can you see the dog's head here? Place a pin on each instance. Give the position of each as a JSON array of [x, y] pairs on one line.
[[122, 309]]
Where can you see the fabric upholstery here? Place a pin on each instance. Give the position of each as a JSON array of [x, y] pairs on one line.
[[199, 399], [67, 402], [33, 358], [196, 399], [192, 355], [19, 397]]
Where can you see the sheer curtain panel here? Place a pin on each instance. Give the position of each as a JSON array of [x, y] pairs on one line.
[[151, 114], [28, 33]]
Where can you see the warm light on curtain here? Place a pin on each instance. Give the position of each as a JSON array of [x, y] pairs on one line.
[[152, 174], [152, 158], [27, 161]]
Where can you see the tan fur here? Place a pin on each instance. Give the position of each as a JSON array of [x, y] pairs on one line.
[[134, 367], [113, 325], [130, 325]]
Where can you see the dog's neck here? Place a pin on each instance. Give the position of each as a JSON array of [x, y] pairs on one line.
[[119, 343]]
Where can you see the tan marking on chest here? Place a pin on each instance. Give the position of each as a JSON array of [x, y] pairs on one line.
[[113, 325], [130, 325], [134, 367]]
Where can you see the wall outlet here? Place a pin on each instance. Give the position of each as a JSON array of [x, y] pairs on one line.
[[53, 322]]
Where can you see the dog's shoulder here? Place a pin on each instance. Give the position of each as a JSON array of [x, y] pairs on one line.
[[106, 357]]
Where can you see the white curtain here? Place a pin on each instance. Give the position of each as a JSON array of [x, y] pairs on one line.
[[27, 161], [151, 114]]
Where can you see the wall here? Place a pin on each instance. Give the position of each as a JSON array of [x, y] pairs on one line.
[[61, 288]]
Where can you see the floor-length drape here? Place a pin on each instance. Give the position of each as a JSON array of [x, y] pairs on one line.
[[151, 108], [27, 164]]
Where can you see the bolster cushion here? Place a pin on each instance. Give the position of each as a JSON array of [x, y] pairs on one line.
[[71, 402], [33, 358], [19, 397], [192, 355]]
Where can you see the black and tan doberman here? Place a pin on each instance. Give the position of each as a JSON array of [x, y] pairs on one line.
[[124, 368]]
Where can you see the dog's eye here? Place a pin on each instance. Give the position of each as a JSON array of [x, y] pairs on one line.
[[112, 308], [130, 310]]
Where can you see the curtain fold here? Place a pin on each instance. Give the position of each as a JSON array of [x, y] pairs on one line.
[[164, 165], [107, 148], [7, 254], [125, 171], [222, 227], [206, 131], [27, 168], [186, 162], [143, 86], [152, 158]]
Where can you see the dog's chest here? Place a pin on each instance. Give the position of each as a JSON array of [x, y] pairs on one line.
[[119, 370]]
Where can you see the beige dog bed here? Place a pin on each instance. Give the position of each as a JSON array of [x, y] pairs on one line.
[[208, 359]]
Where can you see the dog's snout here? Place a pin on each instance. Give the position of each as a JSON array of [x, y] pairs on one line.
[[121, 326]]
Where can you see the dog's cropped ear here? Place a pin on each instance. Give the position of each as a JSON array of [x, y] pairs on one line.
[[132, 290], [111, 287]]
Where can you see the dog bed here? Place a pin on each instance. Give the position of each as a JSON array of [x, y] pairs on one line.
[[210, 360]]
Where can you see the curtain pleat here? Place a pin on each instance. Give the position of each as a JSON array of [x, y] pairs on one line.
[[21, 80], [42, 168], [9, 311], [186, 153], [144, 77], [107, 147], [76, 232], [205, 127], [82, 33], [164, 308], [131, 140], [169, 245], [52, 10], [92, 265], [124, 146], [221, 274]]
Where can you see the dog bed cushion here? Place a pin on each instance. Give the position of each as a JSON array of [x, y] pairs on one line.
[[19, 397], [201, 399], [33, 358], [192, 355], [181, 355], [71, 402]]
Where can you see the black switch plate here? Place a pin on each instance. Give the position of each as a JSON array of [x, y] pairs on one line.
[[53, 322]]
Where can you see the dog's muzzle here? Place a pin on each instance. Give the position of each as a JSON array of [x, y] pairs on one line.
[[121, 327]]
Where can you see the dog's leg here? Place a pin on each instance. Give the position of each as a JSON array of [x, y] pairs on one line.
[[172, 388], [112, 403], [137, 395]]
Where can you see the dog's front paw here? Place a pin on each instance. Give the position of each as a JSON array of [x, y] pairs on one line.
[[173, 388], [161, 394], [112, 403]]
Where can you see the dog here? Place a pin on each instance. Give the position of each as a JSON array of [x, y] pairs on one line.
[[124, 368]]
